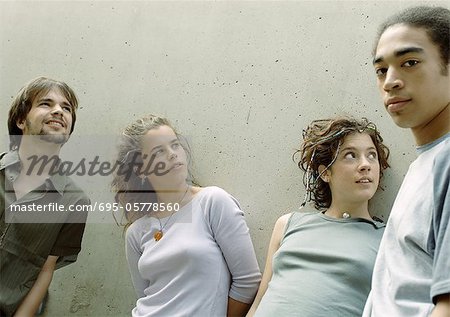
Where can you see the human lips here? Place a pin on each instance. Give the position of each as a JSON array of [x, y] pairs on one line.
[[395, 104], [55, 123], [176, 165], [364, 180]]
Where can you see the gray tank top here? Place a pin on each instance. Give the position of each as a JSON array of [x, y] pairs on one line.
[[323, 267]]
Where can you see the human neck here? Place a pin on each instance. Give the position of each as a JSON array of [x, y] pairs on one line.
[[433, 130], [353, 210], [174, 195], [181, 195], [32, 150]]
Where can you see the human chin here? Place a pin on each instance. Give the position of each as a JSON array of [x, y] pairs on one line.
[[400, 120], [54, 138]]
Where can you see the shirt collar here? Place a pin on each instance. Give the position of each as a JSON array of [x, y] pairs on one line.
[[423, 148], [12, 160]]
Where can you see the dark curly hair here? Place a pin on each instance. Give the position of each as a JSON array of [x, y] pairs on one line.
[[321, 141]]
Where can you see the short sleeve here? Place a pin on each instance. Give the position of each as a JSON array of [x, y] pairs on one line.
[[68, 242], [439, 241], [232, 235], [133, 253]]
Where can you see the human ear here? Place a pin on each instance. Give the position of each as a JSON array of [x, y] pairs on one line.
[[20, 124], [324, 173]]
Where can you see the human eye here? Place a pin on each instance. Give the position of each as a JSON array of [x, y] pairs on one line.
[[380, 71], [372, 155], [349, 155], [67, 109], [410, 63], [44, 104], [176, 145]]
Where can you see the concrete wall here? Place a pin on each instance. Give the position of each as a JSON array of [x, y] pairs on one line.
[[240, 79]]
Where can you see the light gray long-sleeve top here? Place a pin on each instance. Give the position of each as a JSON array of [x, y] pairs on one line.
[[205, 256]]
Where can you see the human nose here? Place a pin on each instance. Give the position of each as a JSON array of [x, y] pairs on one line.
[[171, 154], [364, 164], [57, 109], [392, 80]]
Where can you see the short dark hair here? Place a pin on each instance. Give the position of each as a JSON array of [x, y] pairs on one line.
[[321, 141], [435, 21], [23, 102]]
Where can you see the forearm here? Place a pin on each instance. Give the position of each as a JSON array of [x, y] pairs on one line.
[[252, 309], [277, 234], [262, 289], [236, 308], [442, 308], [259, 295], [31, 302]]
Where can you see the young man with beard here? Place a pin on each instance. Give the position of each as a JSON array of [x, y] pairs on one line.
[[34, 244]]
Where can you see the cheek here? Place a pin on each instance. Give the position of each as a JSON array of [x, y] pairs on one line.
[[149, 162], [69, 119], [380, 84], [376, 169], [183, 155]]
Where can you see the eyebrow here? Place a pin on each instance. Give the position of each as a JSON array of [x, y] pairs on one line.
[[51, 100], [352, 148], [399, 53]]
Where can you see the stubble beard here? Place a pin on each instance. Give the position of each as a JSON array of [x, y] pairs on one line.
[[48, 137]]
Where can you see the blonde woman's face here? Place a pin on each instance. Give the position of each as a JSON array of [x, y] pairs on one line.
[[165, 160]]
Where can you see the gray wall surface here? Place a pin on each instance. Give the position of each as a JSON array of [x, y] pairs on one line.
[[240, 79]]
